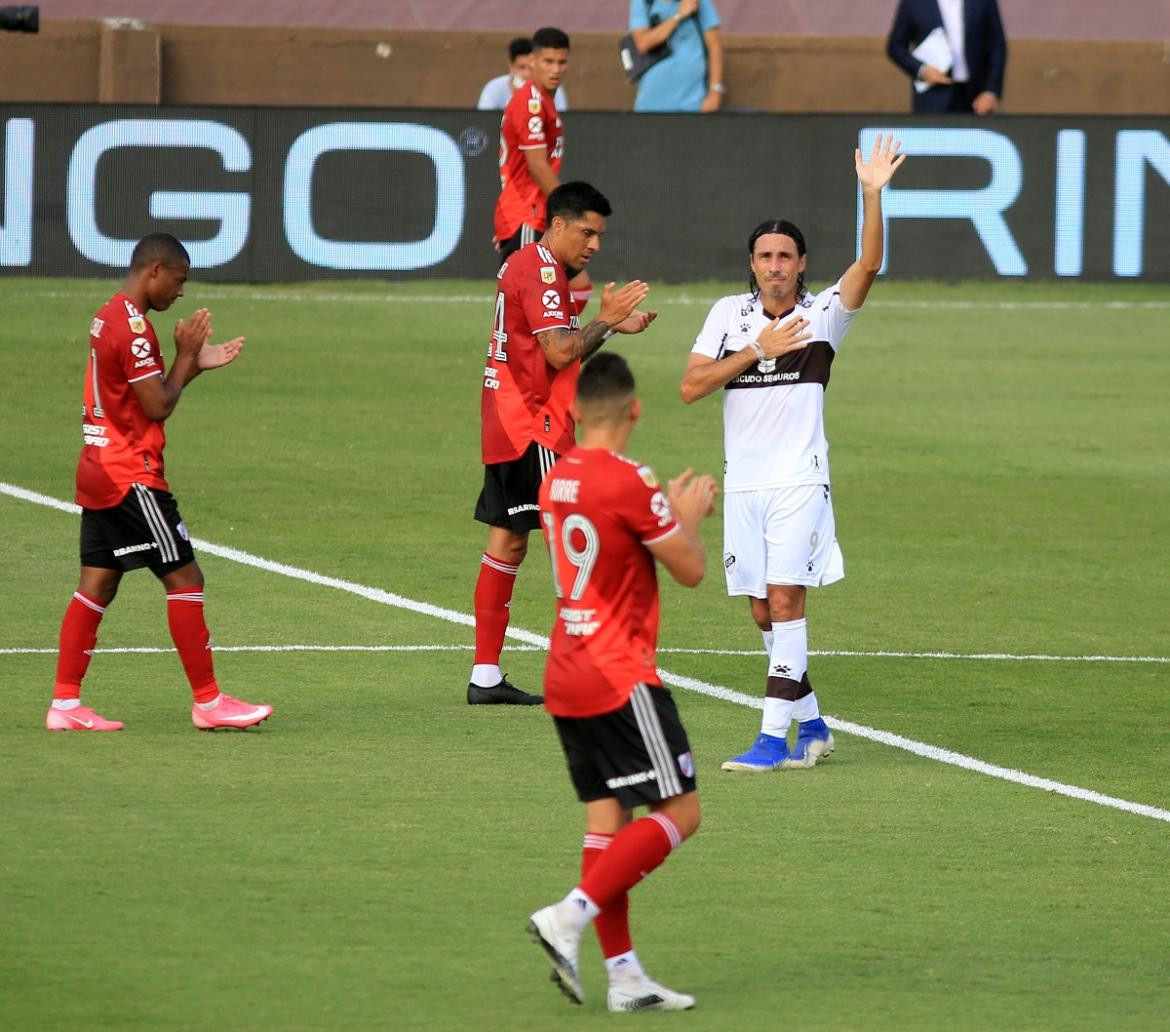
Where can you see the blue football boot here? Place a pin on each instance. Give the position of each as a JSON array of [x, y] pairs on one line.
[[814, 741], [767, 753]]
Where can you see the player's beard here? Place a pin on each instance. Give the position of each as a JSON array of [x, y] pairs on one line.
[[786, 292], [572, 273]]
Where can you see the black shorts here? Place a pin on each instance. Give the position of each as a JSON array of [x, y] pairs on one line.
[[144, 529], [511, 490], [524, 235], [638, 754]]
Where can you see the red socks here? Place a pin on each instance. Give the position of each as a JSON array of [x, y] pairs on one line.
[[493, 596], [193, 640], [634, 852], [613, 923], [75, 647]]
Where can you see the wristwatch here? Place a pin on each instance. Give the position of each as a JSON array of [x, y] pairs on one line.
[[718, 87]]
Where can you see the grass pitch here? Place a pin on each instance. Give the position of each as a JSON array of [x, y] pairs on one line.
[[370, 857]]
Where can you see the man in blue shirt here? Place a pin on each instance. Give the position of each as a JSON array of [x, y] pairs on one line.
[[691, 78]]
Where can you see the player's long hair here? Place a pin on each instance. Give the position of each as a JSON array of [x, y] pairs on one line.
[[775, 226]]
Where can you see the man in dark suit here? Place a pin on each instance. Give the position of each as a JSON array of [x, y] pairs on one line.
[[973, 81]]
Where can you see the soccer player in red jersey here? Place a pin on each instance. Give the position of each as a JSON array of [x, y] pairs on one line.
[[606, 521], [534, 354], [129, 518], [532, 143]]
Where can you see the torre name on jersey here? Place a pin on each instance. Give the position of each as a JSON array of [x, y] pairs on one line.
[[564, 490]]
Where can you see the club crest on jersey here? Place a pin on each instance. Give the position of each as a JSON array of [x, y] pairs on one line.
[[533, 106], [137, 324], [648, 477], [661, 508], [548, 274], [686, 764]]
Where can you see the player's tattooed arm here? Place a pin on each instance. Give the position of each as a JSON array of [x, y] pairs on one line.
[[619, 314], [562, 347]]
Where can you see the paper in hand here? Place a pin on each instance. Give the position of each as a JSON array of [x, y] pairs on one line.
[[934, 50]]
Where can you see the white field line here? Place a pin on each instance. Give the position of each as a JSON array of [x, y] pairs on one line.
[[877, 654], [486, 299], [923, 749]]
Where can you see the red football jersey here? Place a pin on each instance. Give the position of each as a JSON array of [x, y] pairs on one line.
[[122, 445], [524, 398], [530, 122], [599, 512]]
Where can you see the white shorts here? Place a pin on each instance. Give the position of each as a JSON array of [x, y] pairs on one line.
[[786, 535]]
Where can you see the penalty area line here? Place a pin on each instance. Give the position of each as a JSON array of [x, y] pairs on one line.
[[895, 741]]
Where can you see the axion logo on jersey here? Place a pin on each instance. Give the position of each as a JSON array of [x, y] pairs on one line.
[[550, 299], [548, 274]]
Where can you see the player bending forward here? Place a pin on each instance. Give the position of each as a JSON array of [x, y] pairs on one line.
[[606, 521], [779, 533], [129, 519]]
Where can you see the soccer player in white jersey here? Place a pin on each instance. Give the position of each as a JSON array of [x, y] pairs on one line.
[[771, 350]]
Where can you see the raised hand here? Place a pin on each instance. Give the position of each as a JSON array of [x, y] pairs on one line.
[[212, 356], [883, 162]]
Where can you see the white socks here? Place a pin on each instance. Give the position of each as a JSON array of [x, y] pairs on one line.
[[577, 910], [205, 706], [624, 965], [486, 675], [66, 704], [807, 708], [787, 658]]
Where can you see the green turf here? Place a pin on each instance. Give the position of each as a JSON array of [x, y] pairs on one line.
[[369, 858]]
